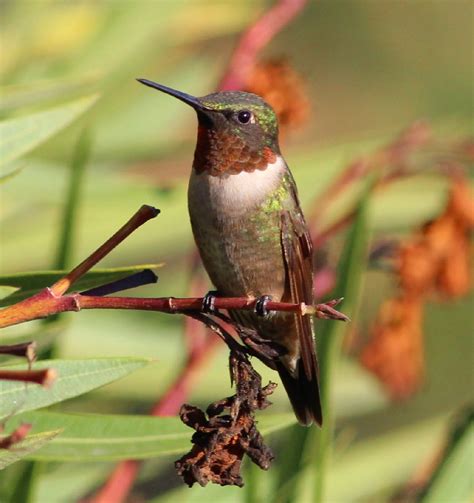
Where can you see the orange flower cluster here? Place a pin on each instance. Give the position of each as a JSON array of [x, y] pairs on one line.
[[436, 259], [279, 84]]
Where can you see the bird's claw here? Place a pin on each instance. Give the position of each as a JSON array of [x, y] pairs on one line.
[[261, 305], [208, 302]]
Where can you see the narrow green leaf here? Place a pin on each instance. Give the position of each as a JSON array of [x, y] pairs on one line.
[[79, 161], [88, 437], [6, 291], [75, 377], [20, 135], [453, 479], [26, 447], [30, 283], [26, 485]]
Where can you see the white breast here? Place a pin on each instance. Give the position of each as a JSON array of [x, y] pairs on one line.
[[235, 193]]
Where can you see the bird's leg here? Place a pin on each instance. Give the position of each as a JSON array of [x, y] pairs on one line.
[[208, 302], [261, 305]]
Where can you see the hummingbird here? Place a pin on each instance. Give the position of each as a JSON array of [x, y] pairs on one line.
[[250, 230]]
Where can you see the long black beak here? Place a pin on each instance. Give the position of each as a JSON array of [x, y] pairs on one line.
[[187, 98]]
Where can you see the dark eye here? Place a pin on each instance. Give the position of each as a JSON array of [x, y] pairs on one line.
[[244, 116]]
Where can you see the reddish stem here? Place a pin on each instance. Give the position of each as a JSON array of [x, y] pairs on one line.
[[44, 377], [255, 39], [144, 214], [119, 483], [24, 349], [172, 400], [45, 304]]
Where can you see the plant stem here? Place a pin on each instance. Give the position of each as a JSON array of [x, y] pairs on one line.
[[47, 303], [144, 214], [255, 38]]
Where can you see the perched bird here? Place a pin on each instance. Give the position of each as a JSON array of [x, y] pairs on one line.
[[251, 232]]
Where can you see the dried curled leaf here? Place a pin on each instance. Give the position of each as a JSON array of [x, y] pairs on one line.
[[227, 431]]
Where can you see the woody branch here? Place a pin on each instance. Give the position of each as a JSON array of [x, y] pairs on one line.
[[53, 300]]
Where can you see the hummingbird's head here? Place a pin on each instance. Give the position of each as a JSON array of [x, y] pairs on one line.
[[237, 132]]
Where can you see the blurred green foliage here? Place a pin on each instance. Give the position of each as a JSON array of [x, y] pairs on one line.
[[371, 68]]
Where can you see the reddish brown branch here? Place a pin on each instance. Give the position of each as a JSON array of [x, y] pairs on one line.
[[255, 39], [25, 349], [46, 303], [44, 377], [144, 214]]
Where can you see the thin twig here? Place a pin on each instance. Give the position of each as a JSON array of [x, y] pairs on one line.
[[144, 214], [24, 349], [44, 377]]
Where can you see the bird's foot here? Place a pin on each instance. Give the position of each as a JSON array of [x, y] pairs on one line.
[[261, 305], [208, 302], [264, 349]]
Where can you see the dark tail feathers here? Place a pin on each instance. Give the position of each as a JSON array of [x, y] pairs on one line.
[[303, 394]]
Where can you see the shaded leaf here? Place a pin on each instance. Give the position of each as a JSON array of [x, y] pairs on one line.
[[75, 377], [27, 446], [88, 437], [453, 480], [30, 283], [396, 454], [25, 488], [75, 184], [22, 134]]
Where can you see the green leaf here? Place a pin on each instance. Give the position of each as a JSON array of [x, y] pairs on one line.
[[75, 184], [30, 283], [6, 291], [404, 449], [75, 377], [27, 94], [20, 135], [452, 480], [26, 483], [26, 447], [88, 437]]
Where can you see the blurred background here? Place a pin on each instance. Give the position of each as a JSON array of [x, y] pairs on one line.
[[357, 73]]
